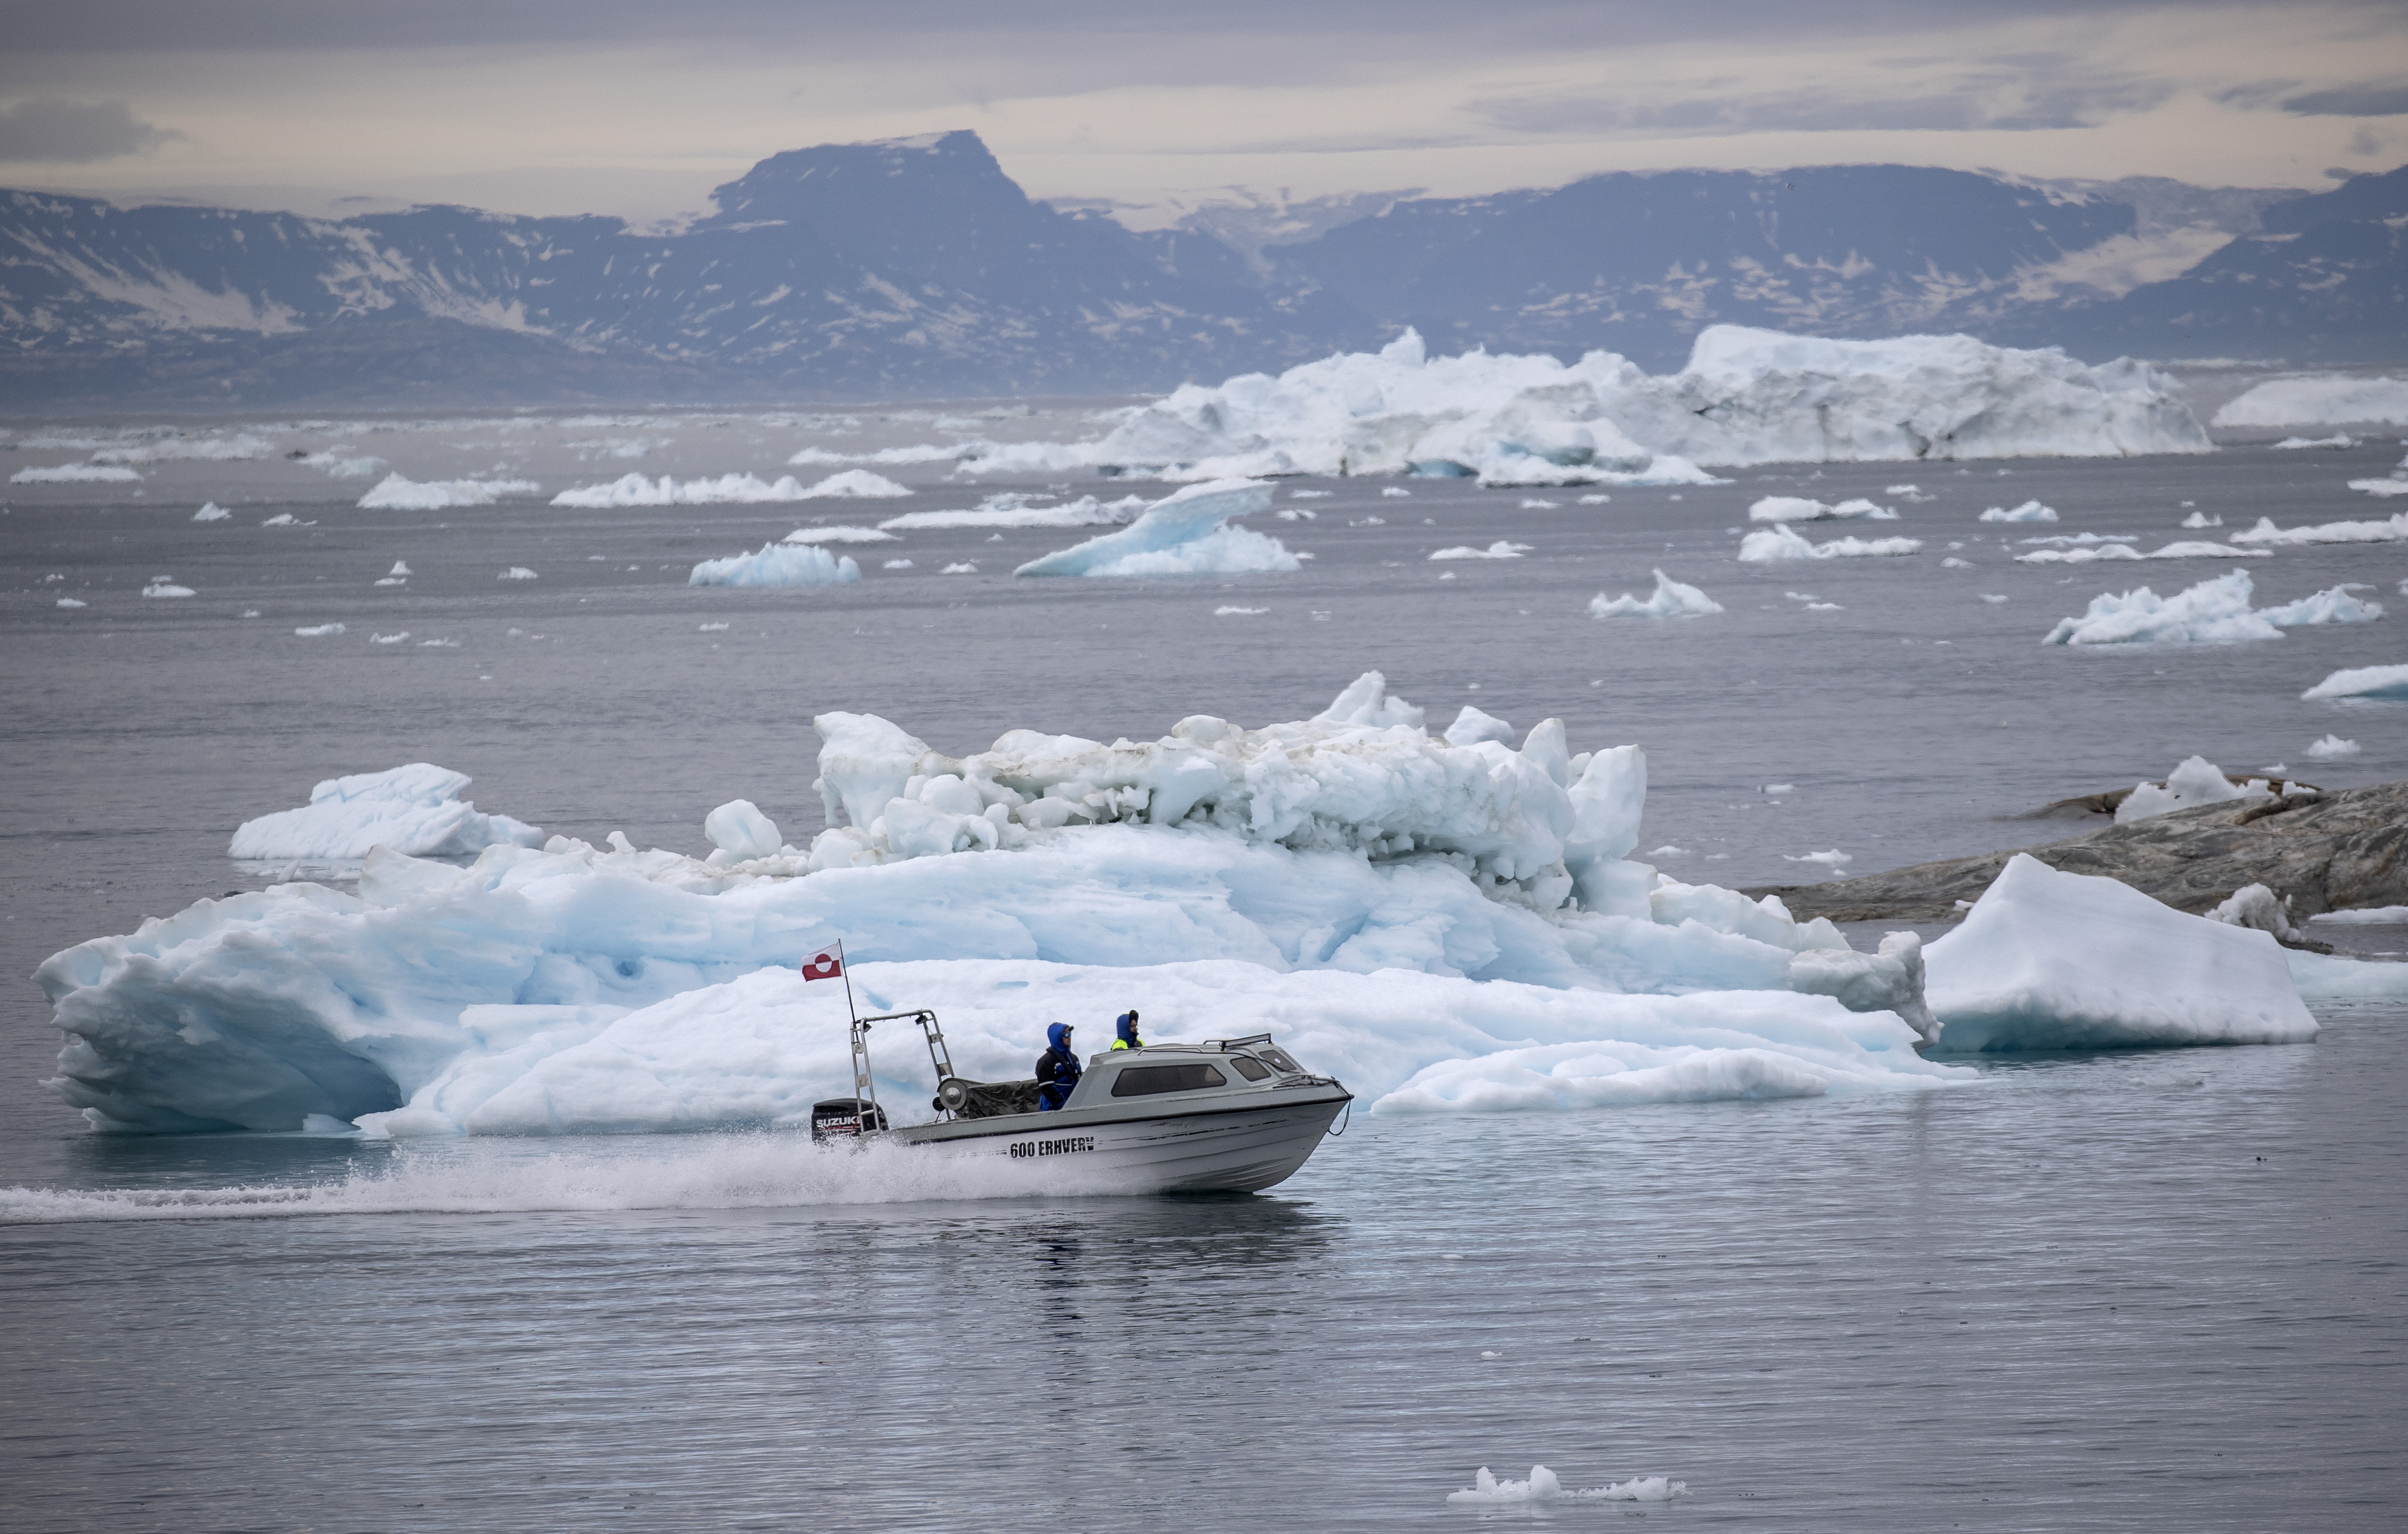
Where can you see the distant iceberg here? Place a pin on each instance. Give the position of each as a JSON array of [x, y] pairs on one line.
[[1800, 509], [395, 494], [415, 810], [1770, 545], [1748, 396], [2390, 529], [728, 489], [2321, 400], [2215, 612], [778, 565], [1186, 533], [2383, 683], [1671, 599]]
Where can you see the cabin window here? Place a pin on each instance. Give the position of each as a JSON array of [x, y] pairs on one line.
[[1145, 1080], [1250, 1067], [1279, 1058]]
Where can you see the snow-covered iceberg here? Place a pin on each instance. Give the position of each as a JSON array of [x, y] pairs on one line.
[[2215, 612], [2321, 400], [778, 565], [1671, 599], [1390, 899], [1747, 397], [2333, 605], [2049, 961], [395, 493], [414, 809], [2194, 782], [1186, 533]]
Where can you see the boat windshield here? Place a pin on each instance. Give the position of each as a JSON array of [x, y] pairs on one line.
[[1145, 1080]]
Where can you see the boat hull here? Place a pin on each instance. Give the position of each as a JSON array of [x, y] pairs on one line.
[[1212, 1146]]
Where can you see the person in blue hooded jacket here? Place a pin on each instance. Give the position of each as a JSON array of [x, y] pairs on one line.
[[1124, 1031], [1057, 1069]]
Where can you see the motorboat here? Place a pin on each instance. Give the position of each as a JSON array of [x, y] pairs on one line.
[[1226, 1115]]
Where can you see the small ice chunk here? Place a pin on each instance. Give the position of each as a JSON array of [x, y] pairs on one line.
[[211, 511], [959, 568], [1772, 544], [777, 565], [1545, 1486], [1671, 599], [2331, 748], [71, 602], [1472, 726], [1399, 492], [1832, 858], [163, 587], [1498, 550], [1232, 610], [2027, 511], [839, 535], [402, 638], [2195, 782], [896, 565], [2215, 612], [2365, 916], [740, 830], [395, 493], [2200, 520], [2385, 682], [516, 572], [415, 810], [320, 632]]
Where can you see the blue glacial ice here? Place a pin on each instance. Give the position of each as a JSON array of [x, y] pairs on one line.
[[1186, 533]]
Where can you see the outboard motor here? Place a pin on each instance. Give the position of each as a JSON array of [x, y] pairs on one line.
[[846, 1116]]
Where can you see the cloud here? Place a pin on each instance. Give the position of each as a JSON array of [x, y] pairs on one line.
[[2351, 101], [2023, 95], [76, 133]]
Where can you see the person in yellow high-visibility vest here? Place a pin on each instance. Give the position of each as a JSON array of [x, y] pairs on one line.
[[1124, 1031]]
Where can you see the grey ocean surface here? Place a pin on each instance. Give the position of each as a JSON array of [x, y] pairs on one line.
[[2145, 1290]]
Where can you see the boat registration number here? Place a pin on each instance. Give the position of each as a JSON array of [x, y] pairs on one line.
[[1051, 1147]]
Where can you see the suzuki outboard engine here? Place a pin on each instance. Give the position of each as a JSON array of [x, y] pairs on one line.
[[846, 1116]]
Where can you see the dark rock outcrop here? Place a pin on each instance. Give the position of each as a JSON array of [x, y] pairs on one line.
[[2347, 850]]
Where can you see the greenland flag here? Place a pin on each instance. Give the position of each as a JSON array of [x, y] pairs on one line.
[[827, 966]]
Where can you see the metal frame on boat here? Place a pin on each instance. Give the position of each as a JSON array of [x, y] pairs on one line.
[[1227, 1114]]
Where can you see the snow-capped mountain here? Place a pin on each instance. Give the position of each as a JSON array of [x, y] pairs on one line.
[[917, 267]]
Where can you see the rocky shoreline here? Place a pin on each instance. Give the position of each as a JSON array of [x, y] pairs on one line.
[[2346, 849]]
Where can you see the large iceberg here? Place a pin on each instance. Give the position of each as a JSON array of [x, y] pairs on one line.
[[1395, 899], [1747, 397], [414, 809], [2049, 960], [1186, 533]]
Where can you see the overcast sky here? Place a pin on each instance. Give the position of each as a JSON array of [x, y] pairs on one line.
[[638, 109]]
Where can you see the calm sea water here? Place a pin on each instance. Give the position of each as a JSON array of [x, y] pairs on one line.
[[2154, 1290]]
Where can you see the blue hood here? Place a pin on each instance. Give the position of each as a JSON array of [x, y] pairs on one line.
[[1125, 1028], [1058, 1035]]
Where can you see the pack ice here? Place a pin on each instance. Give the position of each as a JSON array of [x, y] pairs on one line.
[[1402, 906], [1747, 397], [414, 809]]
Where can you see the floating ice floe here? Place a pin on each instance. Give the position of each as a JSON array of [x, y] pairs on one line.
[[2106, 550], [728, 490], [166, 588], [1498, 550], [1011, 508], [838, 535], [415, 810], [918, 453], [395, 494], [211, 511], [71, 602], [1799, 508], [1546, 1486], [1747, 397], [341, 464], [2049, 961], [2384, 488], [67, 474], [2195, 782], [2331, 748], [1387, 902], [2215, 612], [517, 572], [1671, 599], [2323, 399], [2365, 916], [2028, 511], [2391, 529], [2340, 439], [319, 631], [2200, 520], [1186, 533], [210, 449], [778, 565], [1770, 545], [2386, 683]]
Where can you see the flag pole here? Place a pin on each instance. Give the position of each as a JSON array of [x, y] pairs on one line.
[[846, 970]]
